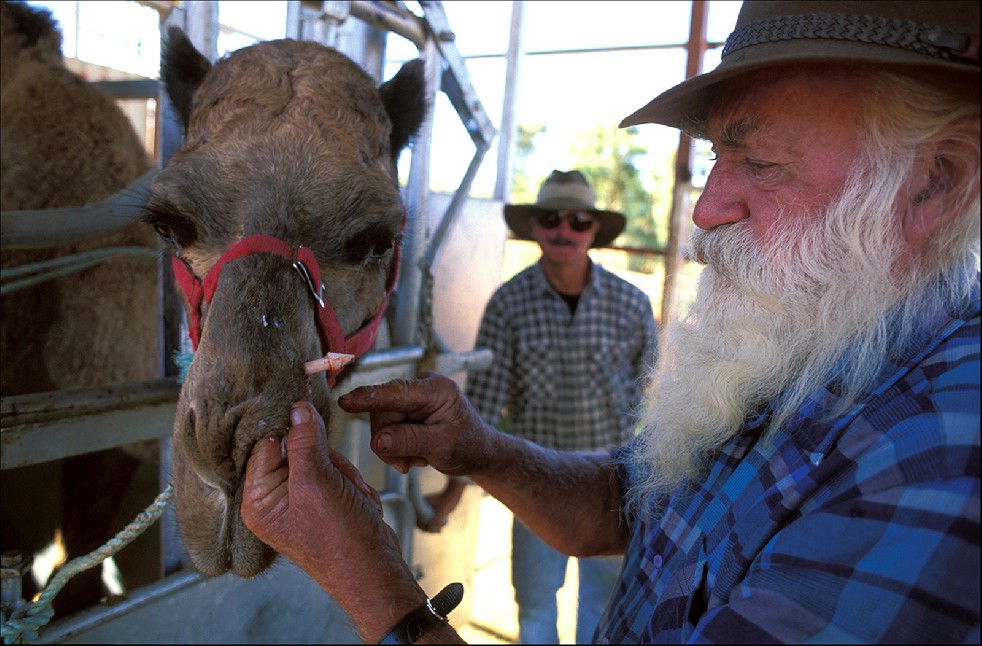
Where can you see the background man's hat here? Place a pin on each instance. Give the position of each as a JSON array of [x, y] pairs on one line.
[[937, 41], [565, 190]]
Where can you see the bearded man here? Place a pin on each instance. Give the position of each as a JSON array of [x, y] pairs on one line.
[[808, 468]]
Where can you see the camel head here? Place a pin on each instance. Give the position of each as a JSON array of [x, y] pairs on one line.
[[288, 171]]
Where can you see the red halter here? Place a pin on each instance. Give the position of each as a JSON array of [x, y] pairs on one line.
[[197, 291]]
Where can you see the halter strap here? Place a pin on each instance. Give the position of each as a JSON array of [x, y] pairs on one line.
[[197, 292]]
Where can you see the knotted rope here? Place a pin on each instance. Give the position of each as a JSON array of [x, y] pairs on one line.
[[24, 623]]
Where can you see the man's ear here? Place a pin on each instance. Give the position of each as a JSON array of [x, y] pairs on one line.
[[945, 178]]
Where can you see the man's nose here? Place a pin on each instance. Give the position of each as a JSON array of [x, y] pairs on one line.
[[721, 202]]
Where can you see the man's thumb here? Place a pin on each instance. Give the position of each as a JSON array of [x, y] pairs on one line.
[[306, 441]]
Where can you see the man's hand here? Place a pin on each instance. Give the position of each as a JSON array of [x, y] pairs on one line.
[[571, 499], [443, 503], [424, 421], [316, 509]]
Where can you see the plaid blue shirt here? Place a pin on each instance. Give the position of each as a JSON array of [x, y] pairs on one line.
[[862, 529], [567, 382]]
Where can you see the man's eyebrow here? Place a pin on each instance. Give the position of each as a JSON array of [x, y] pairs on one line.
[[734, 135]]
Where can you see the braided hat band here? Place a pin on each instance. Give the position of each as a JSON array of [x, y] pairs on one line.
[[927, 39]]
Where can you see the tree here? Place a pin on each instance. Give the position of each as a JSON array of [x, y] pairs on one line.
[[607, 155], [523, 189]]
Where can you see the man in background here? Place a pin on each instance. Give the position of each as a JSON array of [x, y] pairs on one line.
[[571, 344]]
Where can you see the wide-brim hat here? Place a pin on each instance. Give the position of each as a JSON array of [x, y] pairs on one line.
[[935, 41], [565, 191]]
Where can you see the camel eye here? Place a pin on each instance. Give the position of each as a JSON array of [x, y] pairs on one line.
[[163, 231], [370, 246], [381, 248], [173, 228]]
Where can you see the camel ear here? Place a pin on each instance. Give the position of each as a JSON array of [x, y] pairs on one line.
[[947, 174], [33, 24], [405, 102], [182, 68]]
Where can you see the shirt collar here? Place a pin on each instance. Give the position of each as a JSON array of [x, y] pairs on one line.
[[593, 282]]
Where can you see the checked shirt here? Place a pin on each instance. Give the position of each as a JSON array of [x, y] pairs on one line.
[[860, 529], [567, 382]]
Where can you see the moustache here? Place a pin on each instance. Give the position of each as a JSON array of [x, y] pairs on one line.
[[725, 248], [562, 241]]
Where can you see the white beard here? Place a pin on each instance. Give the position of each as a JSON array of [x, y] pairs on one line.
[[768, 321]]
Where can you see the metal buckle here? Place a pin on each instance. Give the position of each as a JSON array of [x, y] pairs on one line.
[[317, 293]]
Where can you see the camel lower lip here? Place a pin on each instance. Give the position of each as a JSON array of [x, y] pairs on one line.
[[225, 544]]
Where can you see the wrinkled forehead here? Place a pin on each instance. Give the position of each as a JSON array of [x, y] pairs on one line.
[[795, 101]]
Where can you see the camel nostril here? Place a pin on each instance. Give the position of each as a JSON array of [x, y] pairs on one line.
[[188, 438]]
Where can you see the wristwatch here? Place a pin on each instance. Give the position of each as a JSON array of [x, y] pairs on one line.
[[433, 612]]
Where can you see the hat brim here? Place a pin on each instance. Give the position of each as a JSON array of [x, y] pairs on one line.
[[690, 102], [519, 219]]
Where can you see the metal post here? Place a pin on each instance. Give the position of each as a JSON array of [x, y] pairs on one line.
[[506, 138], [13, 567], [202, 27], [416, 200], [170, 138], [681, 201], [294, 17]]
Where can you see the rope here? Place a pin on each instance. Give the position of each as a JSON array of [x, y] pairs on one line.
[[39, 272], [24, 623]]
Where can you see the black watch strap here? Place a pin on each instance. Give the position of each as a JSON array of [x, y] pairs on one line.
[[433, 612]]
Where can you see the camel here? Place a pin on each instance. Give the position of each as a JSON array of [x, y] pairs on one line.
[[67, 144], [284, 218]]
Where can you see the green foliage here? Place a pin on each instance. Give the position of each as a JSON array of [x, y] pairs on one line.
[[525, 189], [607, 156]]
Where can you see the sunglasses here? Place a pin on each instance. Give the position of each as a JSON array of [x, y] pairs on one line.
[[578, 221]]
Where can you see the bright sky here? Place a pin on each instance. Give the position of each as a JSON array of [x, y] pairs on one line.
[[567, 92]]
